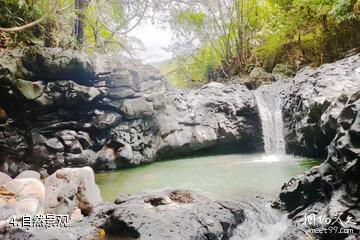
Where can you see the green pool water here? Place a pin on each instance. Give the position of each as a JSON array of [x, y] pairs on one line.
[[218, 177]]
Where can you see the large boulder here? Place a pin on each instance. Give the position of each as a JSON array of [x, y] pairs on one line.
[[26, 187], [332, 189], [168, 214], [59, 64], [312, 102], [74, 190], [69, 189], [212, 116], [28, 174], [164, 214]]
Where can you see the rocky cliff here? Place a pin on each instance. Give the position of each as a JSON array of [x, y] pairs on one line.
[[312, 102], [64, 108], [331, 190], [327, 112]]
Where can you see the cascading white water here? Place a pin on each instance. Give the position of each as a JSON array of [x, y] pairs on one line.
[[261, 223], [271, 121]]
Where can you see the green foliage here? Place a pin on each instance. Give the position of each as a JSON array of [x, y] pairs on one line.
[[171, 69], [270, 52], [103, 23], [239, 33], [204, 61], [217, 38], [342, 10], [51, 32], [190, 70], [17, 13]]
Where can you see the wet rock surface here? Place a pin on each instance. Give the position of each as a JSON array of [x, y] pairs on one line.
[[162, 214], [312, 102], [69, 109], [331, 190], [168, 214]]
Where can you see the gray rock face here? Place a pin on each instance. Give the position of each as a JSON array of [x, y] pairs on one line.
[[333, 188], [313, 101], [211, 116], [14, 147], [168, 214], [65, 108], [137, 108]]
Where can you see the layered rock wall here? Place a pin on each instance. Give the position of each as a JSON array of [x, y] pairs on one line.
[[332, 189], [65, 108], [312, 102]]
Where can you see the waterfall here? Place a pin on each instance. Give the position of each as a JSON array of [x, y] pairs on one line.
[[271, 121], [261, 223]]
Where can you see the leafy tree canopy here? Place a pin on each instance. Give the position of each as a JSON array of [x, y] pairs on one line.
[[214, 38]]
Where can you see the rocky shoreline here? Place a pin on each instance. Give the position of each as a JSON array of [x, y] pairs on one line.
[[72, 192], [64, 109], [332, 189]]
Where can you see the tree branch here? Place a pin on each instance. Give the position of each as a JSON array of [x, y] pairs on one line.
[[26, 26], [116, 30], [36, 22]]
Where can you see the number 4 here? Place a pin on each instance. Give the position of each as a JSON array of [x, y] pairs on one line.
[[13, 222]]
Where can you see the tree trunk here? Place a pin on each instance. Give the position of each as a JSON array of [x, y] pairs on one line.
[[80, 6]]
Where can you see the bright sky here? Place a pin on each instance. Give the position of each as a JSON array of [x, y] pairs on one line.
[[154, 40]]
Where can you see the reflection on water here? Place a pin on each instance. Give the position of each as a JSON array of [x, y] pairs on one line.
[[221, 177]]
